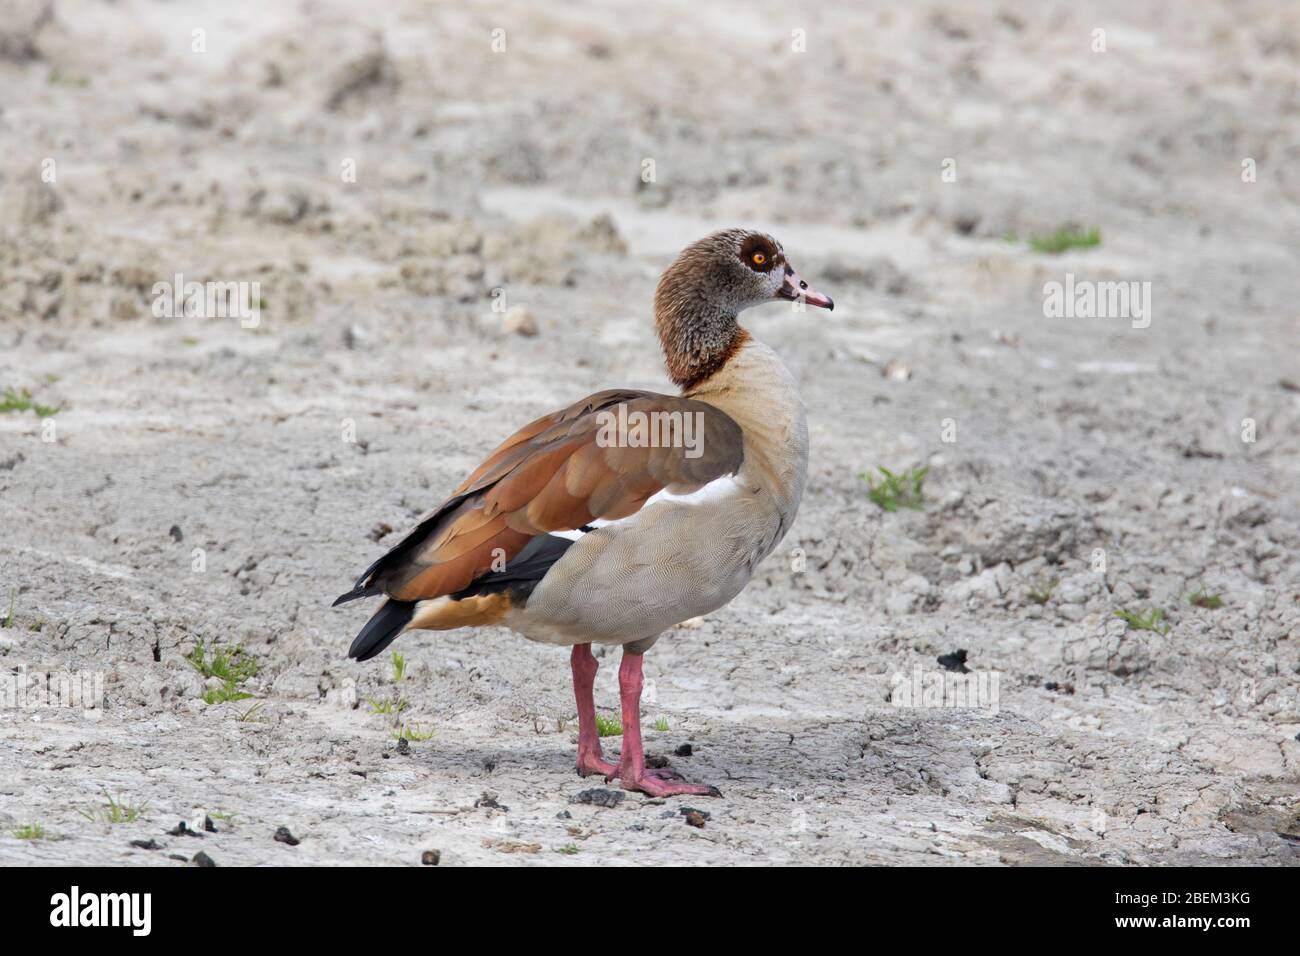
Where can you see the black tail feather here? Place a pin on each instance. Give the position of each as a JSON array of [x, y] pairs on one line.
[[382, 629]]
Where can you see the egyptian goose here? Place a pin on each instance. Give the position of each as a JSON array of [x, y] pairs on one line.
[[628, 512]]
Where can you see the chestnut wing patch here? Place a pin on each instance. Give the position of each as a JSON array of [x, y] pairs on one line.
[[558, 473]]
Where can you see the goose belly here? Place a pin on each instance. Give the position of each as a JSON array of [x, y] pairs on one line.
[[676, 558]]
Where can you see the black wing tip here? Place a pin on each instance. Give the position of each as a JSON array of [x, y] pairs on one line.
[[355, 594]]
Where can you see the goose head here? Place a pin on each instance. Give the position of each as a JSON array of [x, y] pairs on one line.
[[709, 284]]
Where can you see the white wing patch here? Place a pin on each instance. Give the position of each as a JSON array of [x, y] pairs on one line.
[[719, 489]]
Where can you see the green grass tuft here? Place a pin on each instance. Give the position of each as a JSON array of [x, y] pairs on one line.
[[891, 491], [13, 597], [253, 715], [399, 668], [389, 705], [1064, 238], [31, 831], [1203, 598], [608, 726], [1041, 592], [661, 724], [231, 667], [226, 692], [115, 812], [21, 401], [568, 849], [412, 732], [227, 665], [1153, 620]]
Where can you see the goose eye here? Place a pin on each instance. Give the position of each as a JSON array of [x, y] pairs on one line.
[[759, 258]]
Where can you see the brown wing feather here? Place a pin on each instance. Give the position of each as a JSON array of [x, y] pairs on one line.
[[553, 474]]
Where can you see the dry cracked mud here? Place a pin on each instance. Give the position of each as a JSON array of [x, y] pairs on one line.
[[200, 482]]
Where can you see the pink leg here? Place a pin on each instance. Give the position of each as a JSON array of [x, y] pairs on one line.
[[590, 759], [631, 769]]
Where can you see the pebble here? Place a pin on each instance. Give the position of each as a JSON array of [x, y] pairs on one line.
[[599, 797]]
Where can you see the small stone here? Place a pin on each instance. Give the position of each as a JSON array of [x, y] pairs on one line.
[[202, 859], [896, 371], [564, 815], [149, 844], [656, 761], [599, 797], [519, 320], [177, 535], [403, 746], [282, 835], [685, 750], [695, 819], [354, 336], [431, 857], [687, 811], [183, 829], [488, 801]]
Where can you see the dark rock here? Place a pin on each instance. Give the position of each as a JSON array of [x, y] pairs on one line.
[[202, 859], [695, 819], [282, 835], [489, 802], [431, 857], [956, 661], [687, 811], [176, 533], [685, 750], [183, 829], [150, 844], [656, 761], [599, 797]]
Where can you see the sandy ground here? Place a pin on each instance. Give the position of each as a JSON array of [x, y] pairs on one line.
[[197, 482]]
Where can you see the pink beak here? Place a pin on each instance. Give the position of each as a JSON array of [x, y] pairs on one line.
[[796, 289]]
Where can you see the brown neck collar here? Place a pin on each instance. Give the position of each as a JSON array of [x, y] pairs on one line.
[[698, 338]]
